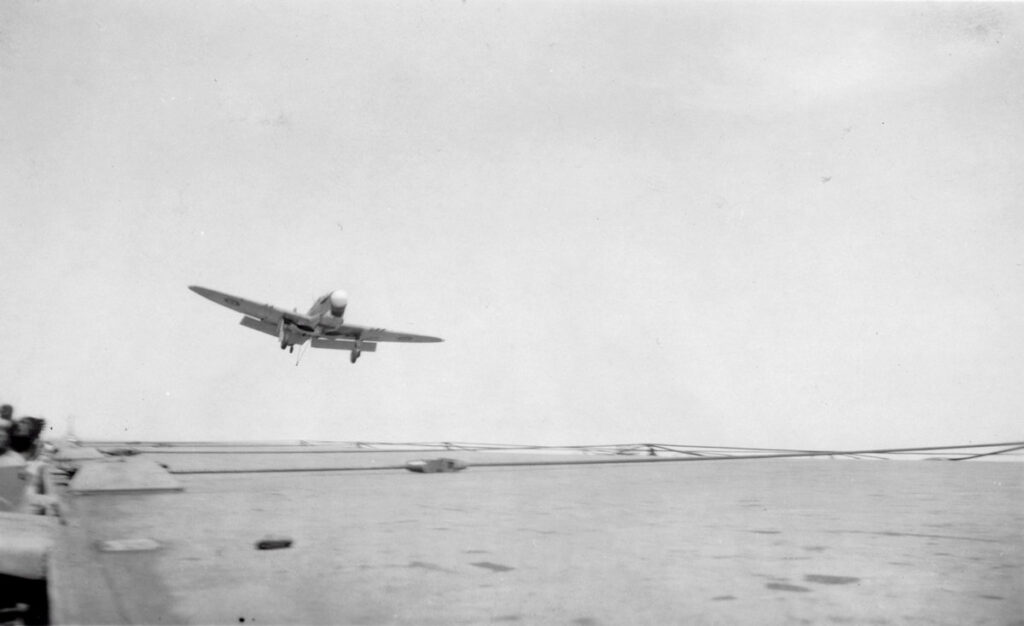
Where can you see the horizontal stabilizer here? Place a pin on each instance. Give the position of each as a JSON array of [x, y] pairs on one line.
[[335, 344]]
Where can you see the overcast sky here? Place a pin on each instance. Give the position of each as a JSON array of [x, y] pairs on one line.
[[720, 224]]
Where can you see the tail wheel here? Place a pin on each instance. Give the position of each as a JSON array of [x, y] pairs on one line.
[[355, 355]]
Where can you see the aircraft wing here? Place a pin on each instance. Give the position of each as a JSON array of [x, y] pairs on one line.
[[263, 312], [332, 335], [365, 333]]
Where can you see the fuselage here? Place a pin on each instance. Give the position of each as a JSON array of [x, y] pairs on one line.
[[326, 314]]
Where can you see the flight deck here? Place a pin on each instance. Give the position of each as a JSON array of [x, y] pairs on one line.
[[352, 538]]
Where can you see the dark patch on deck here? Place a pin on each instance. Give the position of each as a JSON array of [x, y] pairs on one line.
[[720, 598], [494, 567], [538, 531], [830, 580], [433, 567], [890, 533], [508, 618], [767, 532], [988, 597], [815, 548], [585, 621], [786, 587]]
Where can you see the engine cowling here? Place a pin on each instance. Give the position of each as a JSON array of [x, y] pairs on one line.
[[339, 300]]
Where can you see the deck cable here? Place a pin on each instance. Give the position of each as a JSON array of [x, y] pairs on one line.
[[1017, 445]]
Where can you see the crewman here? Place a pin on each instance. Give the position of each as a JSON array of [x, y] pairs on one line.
[[25, 436]]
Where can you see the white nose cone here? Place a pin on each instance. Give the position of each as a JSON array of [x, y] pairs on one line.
[[339, 300]]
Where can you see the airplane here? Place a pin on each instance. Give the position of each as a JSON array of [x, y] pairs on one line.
[[323, 326]]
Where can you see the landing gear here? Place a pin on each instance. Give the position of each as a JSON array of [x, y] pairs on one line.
[[287, 336], [355, 355]]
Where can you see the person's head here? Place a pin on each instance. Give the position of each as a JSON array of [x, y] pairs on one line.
[[6, 413], [25, 433]]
